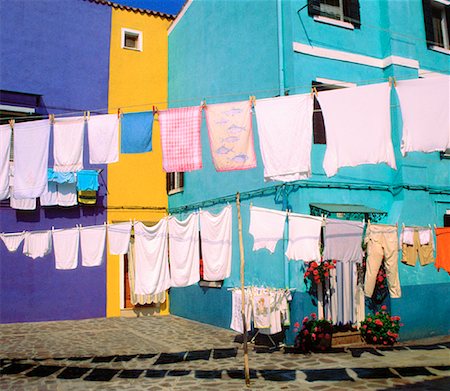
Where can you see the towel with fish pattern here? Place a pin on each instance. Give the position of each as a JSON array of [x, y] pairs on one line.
[[180, 139], [231, 136]]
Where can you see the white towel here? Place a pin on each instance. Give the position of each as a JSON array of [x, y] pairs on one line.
[[152, 259], [407, 236], [92, 243], [12, 241], [65, 244], [304, 237], [103, 138], [37, 244], [358, 125], [67, 194], [266, 227], [31, 140], [216, 239], [50, 197], [119, 237], [425, 108], [68, 137], [5, 142], [184, 251], [285, 136], [22, 204]]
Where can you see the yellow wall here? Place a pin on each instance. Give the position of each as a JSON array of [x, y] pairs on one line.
[[137, 81]]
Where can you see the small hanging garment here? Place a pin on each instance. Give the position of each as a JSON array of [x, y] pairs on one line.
[[180, 139], [231, 136], [5, 142], [304, 237], [425, 108], [443, 249], [65, 245], [236, 311], [12, 241], [68, 138], [358, 126], [103, 139], [67, 194], [261, 308], [87, 197], [216, 240], [119, 237], [184, 251], [152, 263], [87, 180], [50, 197], [22, 204], [136, 132], [417, 241], [343, 240], [266, 227], [61, 177], [92, 243], [31, 140], [37, 244], [285, 136]]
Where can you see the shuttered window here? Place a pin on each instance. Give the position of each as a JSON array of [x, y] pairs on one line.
[[437, 27], [343, 10], [174, 182]]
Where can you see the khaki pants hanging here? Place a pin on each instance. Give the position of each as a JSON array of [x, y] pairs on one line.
[[382, 241]]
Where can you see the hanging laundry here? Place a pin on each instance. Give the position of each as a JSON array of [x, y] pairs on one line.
[[136, 132], [358, 126], [103, 139], [237, 323], [65, 245], [304, 237], [22, 204], [92, 243], [67, 194], [61, 177], [343, 240], [87, 180], [417, 241], [266, 227], [37, 244], [31, 140], [261, 307], [180, 139], [216, 241], [5, 142], [285, 136], [68, 138], [278, 306], [12, 241], [50, 197], [231, 136], [382, 242], [87, 197], [119, 237], [443, 249], [152, 267], [425, 107], [184, 251]]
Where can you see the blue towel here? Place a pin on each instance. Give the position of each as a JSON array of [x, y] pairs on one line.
[[60, 177], [87, 180], [136, 132]]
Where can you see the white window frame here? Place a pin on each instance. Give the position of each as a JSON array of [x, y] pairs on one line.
[[140, 39], [446, 39], [177, 180]]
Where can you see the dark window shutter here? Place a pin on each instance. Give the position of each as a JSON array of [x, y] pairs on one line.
[[313, 7], [181, 174], [429, 32], [351, 13], [447, 16], [446, 220], [318, 124], [168, 182]]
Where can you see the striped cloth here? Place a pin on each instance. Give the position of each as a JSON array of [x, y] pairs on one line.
[[180, 139]]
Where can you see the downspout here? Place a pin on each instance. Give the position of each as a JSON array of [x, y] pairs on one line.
[[281, 85]]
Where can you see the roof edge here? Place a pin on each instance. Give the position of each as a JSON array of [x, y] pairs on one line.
[[178, 17], [132, 9]]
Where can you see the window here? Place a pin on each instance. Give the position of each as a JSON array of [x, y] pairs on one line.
[[344, 12], [174, 182], [131, 39], [447, 218], [437, 17]]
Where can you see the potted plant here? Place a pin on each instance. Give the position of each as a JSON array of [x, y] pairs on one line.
[[314, 335], [380, 328]]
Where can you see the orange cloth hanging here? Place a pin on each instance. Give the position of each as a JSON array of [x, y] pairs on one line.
[[443, 248]]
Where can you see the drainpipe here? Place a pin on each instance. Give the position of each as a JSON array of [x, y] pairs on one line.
[[280, 48]]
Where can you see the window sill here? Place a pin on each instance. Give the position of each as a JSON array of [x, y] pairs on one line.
[[440, 49], [133, 49], [175, 191], [334, 22]]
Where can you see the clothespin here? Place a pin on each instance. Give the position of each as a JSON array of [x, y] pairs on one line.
[[51, 117], [435, 226], [253, 100], [392, 81], [314, 92], [11, 123], [88, 115], [403, 225], [203, 104], [155, 111], [119, 112]]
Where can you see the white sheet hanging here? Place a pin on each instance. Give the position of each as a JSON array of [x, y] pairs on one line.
[[304, 237], [67, 194], [119, 237], [12, 240], [50, 197], [22, 204], [152, 258], [5, 142], [285, 135], [68, 137], [92, 243], [266, 227], [37, 244], [216, 240], [184, 251], [103, 138], [66, 244]]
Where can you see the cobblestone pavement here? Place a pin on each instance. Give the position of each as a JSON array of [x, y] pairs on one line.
[[171, 353]]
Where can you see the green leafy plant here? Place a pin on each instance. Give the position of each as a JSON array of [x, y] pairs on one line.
[[314, 335], [380, 328]]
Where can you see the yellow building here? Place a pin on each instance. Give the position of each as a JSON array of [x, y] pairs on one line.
[[137, 81]]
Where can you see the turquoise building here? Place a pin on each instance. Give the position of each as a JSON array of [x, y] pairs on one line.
[[224, 51]]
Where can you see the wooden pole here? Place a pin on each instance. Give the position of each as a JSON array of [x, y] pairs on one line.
[[241, 252]]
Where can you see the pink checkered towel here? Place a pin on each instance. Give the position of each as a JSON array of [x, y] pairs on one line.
[[180, 139]]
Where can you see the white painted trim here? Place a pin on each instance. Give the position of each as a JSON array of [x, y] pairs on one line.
[[445, 2], [354, 58], [335, 82], [334, 22], [179, 16], [140, 40], [440, 49], [122, 281], [423, 73], [17, 109]]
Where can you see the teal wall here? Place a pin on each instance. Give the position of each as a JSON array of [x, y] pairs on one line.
[[228, 52]]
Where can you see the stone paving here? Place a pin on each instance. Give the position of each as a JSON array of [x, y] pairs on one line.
[[171, 353]]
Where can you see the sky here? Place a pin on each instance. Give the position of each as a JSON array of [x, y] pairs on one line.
[[166, 6]]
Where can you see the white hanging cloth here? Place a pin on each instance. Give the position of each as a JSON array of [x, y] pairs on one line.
[[119, 237], [92, 243], [216, 243], [37, 244], [68, 138], [50, 197], [12, 240], [266, 227], [184, 251], [67, 194], [152, 258], [5, 142], [103, 138], [304, 237], [22, 204], [65, 245]]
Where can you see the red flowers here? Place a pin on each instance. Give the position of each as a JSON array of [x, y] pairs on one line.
[[315, 334], [381, 328], [318, 273]]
